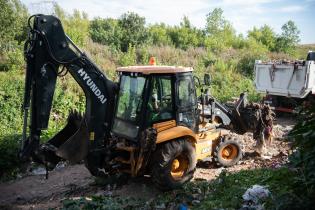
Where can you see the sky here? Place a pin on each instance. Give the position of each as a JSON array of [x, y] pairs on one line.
[[243, 14]]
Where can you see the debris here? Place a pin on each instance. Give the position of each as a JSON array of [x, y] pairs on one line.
[[60, 165], [195, 202], [161, 206], [38, 171], [219, 171], [266, 157], [254, 196]]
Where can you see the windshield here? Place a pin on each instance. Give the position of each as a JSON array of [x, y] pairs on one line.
[[130, 97], [129, 106]]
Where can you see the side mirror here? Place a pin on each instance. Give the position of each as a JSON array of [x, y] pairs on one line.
[[207, 79]]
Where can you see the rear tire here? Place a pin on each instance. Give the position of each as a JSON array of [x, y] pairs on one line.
[[228, 151], [173, 164]]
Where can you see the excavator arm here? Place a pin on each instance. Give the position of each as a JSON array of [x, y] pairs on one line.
[[47, 50]]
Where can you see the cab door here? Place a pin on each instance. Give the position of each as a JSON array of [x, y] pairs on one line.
[[160, 106], [186, 102]]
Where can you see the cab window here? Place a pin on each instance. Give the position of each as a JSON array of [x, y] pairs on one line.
[[160, 105], [186, 102], [186, 93]]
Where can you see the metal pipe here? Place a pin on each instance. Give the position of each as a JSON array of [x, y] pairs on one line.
[[75, 47]]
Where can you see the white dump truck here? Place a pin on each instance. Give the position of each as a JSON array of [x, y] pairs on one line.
[[286, 84]]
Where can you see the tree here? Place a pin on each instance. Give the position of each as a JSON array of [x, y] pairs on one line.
[[159, 34], [13, 31], [76, 25], [13, 19], [106, 31], [264, 35], [215, 22], [291, 32], [220, 33], [185, 35], [133, 29], [289, 38], [185, 23]]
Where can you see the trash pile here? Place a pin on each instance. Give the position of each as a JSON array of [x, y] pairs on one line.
[[258, 119]]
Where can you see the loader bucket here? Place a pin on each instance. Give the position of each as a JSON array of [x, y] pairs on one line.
[[72, 142]]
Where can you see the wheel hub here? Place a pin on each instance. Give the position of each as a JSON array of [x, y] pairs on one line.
[[175, 164], [179, 167], [229, 152]]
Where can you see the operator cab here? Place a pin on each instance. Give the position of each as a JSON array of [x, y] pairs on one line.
[[149, 95]]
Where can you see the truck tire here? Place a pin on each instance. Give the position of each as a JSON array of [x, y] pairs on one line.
[[228, 151], [173, 164]]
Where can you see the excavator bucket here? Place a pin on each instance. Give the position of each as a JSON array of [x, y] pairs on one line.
[[71, 143]]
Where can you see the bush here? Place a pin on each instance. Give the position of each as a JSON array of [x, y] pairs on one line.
[[303, 159], [253, 51], [227, 82], [129, 58], [105, 57], [13, 58], [11, 92], [185, 35]]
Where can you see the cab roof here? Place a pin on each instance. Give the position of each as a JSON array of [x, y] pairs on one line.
[[155, 69]]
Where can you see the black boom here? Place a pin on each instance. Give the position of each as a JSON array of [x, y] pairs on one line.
[[47, 50]]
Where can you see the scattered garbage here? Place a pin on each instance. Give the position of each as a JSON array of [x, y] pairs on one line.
[[160, 206], [60, 165], [182, 207], [255, 196], [195, 202], [38, 171]]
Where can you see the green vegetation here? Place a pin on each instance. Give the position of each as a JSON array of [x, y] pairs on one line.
[[303, 49], [303, 159], [11, 94], [13, 31], [289, 38]]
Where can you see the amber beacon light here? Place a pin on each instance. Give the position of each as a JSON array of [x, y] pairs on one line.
[[152, 61]]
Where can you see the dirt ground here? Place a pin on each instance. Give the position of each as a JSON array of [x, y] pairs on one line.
[[32, 191]]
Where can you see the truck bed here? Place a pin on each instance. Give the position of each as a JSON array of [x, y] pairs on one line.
[[291, 79]]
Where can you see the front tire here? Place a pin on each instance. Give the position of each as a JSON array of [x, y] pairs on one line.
[[173, 164], [228, 151]]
